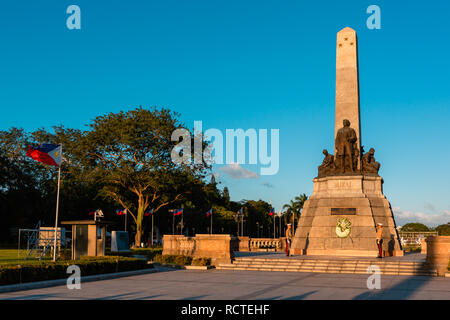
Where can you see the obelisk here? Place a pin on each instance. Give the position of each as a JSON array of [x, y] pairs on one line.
[[347, 82], [347, 203]]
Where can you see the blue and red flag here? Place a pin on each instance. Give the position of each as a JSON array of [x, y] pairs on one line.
[[91, 213], [178, 212], [148, 213], [46, 153], [241, 211], [121, 212], [209, 212], [271, 213]]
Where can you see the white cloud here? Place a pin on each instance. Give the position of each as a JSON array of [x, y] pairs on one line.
[[432, 220], [237, 172]]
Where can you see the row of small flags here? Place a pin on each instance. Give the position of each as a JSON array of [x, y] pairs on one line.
[[123, 212], [178, 212], [272, 213]]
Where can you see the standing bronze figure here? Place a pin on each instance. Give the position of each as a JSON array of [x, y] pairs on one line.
[[345, 141]]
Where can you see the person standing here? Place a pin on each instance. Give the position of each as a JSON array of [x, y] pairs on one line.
[[380, 240], [288, 239]]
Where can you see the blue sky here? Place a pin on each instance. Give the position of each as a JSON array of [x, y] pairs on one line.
[[246, 64]]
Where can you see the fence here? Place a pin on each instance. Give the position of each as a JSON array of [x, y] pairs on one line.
[[414, 238]]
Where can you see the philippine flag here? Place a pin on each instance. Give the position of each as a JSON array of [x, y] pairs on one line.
[[46, 153], [121, 212], [148, 213], [271, 212], [209, 212], [178, 212]]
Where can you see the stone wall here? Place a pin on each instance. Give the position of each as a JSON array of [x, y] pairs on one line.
[[438, 253], [244, 244], [217, 247]]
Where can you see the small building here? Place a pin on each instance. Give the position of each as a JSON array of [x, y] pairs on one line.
[[88, 237]]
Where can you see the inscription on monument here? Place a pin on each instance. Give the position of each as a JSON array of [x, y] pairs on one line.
[[343, 211], [343, 184]]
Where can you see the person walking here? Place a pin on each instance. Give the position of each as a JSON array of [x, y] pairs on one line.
[[288, 239], [380, 240]]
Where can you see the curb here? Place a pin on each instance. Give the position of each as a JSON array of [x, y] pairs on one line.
[[59, 282], [198, 267], [174, 266]]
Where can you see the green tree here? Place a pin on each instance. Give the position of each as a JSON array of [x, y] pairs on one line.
[[415, 227], [129, 153], [294, 208], [443, 229]]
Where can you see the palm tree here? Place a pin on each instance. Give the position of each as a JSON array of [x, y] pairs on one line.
[[293, 209], [300, 200]]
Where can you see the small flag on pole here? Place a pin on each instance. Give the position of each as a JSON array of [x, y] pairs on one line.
[[241, 211], [178, 212], [148, 213], [209, 213], [121, 212], [91, 213], [271, 212], [46, 153]]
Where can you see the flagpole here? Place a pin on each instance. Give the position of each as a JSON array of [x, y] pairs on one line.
[[211, 221], [126, 216], [274, 225], [57, 211], [152, 228]]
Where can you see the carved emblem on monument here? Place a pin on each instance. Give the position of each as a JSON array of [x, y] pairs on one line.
[[343, 227]]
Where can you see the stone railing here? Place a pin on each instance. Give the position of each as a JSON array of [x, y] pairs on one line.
[[414, 238], [269, 244]]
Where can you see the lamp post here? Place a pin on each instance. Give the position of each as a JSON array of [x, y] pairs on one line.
[[257, 228]]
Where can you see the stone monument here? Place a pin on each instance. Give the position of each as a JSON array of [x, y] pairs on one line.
[[347, 203]]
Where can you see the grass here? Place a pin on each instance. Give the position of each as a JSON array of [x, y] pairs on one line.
[[11, 256]]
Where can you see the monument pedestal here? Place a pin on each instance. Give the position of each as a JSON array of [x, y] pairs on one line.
[[340, 219]]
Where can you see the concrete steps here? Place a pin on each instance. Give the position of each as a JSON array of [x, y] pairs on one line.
[[407, 268]]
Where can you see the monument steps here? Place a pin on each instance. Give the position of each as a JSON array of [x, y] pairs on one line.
[[407, 268]]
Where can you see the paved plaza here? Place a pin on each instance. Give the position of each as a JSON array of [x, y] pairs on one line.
[[174, 284]]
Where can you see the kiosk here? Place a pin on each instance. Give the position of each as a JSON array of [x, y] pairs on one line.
[[88, 237]]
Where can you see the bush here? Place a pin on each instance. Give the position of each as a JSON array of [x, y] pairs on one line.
[[412, 248], [47, 270], [181, 260], [149, 253], [201, 262], [173, 259]]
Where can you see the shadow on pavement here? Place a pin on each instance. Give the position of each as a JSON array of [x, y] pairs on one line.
[[194, 298], [31, 297], [400, 291], [302, 296]]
